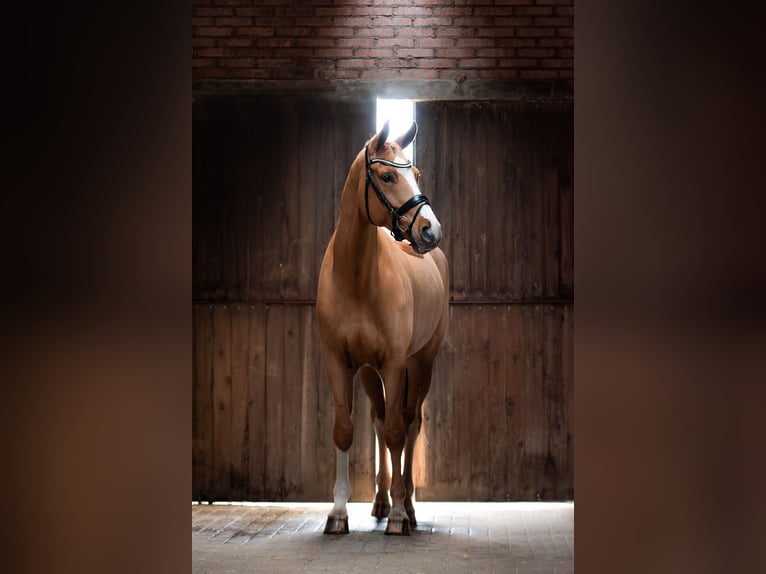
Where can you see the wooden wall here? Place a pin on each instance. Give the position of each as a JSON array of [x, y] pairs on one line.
[[267, 180]]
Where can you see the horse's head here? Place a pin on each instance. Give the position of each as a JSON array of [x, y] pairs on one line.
[[399, 204]]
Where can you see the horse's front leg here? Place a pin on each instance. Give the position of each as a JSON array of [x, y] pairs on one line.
[[395, 434], [341, 381], [373, 386]]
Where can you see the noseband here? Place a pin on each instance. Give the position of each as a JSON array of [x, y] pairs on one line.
[[396, 214]]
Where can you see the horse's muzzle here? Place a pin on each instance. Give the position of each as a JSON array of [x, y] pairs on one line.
[[429, 239]]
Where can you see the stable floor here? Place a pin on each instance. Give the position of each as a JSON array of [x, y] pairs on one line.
[[459, 537]]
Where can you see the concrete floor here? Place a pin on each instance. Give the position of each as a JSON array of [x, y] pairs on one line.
[[455, 537]]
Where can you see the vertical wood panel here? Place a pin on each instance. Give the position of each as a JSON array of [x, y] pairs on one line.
[[240, 444], [275, 406], [221, 400], [256, 402], [202, 417], [291, 398]]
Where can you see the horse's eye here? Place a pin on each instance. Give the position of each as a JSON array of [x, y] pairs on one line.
[[387, 177]]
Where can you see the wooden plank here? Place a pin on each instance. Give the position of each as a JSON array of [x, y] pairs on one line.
[[256, 402], [202, 418], [240, 451], [275, 486], [477, 405], [498, 342], [514, 400], [291, 399], [309, 433], [463, 367], [221, 401]]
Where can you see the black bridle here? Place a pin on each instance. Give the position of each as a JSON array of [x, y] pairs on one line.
[[396, 214]]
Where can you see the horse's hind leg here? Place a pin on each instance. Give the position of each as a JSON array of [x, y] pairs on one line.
[[373, 386], [341, 381]]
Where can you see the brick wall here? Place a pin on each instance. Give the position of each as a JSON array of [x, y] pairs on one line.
[[390, 39]]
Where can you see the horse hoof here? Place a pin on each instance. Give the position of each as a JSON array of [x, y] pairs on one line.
[[398, 526], [380, 510], [336, 525]]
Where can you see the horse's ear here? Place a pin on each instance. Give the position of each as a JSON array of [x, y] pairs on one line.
[[406, 139], [379, 140]]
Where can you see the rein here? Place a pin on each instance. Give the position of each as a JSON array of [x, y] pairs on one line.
[[396, 214]]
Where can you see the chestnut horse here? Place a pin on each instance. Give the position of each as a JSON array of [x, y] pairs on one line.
[[382, 309]]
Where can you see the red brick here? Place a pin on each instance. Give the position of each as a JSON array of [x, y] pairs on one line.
[[537, 52], [517, 63], [491, 11], [271, 42], [203, 42], [499, 73], [515, 42], [457, 53], [374, 53], [478, 62], [436, 21], [351, 22], [475, 43], [436, 42], [334, 11], [202, 62], [555, 42], [412, 11], [535, 32], [557, 63], [372, 11], [533, 11], [373, 32], [415, 53], [565, 53], [395, 42], [473, 21], [355, 42], [251, 11], [273, 62], [566, 73], [565, 32], [565, 11], [212, 11], [240, 42], [352, 63], [415, 31], [273, 21], [558, 22], [294, 31], [514, 2], [436, 63], [496, 32], [228, 21], [212, 31], [236, 62], [256, 31], [202, 21], [494, 52], [214, 52], [335, 32], [314, 22], [332, 53], [396, 63], [318, 42], [538, 74], [452, 11]]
